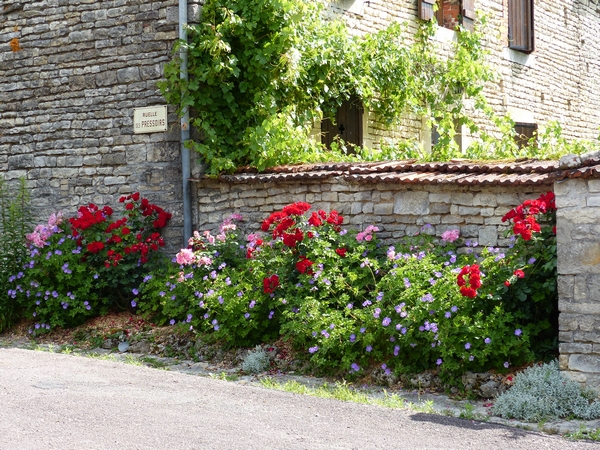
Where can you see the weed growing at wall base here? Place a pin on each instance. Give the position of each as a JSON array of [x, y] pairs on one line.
[[14, 221]]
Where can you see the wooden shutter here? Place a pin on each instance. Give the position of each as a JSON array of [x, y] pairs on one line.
[[468, 14], [348, 124], [426, 9], [524, 132], [520, 25]]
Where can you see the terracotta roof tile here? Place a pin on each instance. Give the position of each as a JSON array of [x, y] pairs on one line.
[[461, 172]]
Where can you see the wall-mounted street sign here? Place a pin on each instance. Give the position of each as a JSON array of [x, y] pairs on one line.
[[151, 119]]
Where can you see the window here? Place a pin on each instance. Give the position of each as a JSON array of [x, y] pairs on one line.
[[449, 13], [520, 25], [348, 124], [525, 131]]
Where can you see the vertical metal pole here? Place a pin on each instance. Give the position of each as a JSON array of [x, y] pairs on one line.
[[185, 131]]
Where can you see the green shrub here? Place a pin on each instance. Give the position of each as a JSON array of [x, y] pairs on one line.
[[348, 303], [542, 393], [80, 267], [15, 218]]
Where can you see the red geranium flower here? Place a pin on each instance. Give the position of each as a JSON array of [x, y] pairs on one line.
[[341, 252], [303, 266], [270, 284], [469, 287], [95, 247]]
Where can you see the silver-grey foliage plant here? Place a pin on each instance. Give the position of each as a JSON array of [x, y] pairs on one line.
[[256, 361], [543, 393]]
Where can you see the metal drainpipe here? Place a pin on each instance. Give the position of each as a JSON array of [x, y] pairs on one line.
[[185, 132]]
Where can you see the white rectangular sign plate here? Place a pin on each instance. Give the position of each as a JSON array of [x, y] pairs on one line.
[[151, 119]]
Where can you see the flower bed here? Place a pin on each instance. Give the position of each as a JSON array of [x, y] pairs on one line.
[[350, 303]]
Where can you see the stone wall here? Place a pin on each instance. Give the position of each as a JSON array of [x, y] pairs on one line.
[[69, 84], [578, 239], [398, 210]]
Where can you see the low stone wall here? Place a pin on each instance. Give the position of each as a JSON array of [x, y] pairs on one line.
[[397, 208], [578, 241]]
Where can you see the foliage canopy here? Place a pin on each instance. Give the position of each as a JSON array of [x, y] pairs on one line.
[[262, 72]]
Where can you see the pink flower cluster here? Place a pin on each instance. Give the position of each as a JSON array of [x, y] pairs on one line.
[[450, 235], [41, 233], [367, 235]]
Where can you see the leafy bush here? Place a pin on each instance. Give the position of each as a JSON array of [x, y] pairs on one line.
[[256, 361], [350, 303], [542, 393], [14, 221], [78, 268]]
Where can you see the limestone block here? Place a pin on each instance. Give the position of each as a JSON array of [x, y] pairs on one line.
[[128, 75], [565, 336], [568, 322], [570, 161], [488, 236], [586, 336], [563, 361], [483, 199], [411, 203], [575, 376], [585, 363], [594, 185], [579, 257], [356, 208], [578, 307], [574, 347], [439, 208], [383, 209]]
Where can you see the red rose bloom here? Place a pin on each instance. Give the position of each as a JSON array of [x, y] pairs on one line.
[[519, 273], [129, 206], [341, 252]]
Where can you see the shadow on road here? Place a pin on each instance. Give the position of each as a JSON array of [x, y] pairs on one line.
[[465, 424]]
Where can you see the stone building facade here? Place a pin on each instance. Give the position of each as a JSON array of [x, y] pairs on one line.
[[557, 81], [71, 74]]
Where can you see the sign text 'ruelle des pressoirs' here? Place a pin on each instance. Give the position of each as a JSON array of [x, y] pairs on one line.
[[151, 119]]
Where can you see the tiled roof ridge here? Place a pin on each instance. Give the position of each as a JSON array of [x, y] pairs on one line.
[[460, 172]]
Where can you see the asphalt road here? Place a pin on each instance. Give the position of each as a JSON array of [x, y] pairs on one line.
[[57, 401]]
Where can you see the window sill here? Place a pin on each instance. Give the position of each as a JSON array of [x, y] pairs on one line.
[[524, 59], [445, 35], [352, 6]]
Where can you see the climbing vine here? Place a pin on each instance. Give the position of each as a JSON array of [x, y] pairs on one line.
[[262, 72]]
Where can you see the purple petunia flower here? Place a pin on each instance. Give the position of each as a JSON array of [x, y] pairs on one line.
[[467, 345], [386, 321], [355, 367], [518, 332], [506, 364], [439, 362], [313, 349], [487, 340], [369, 348]]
